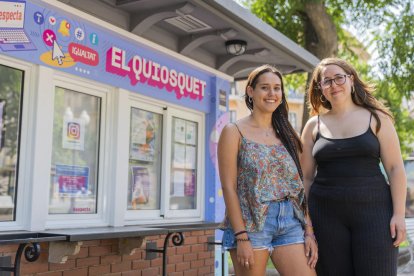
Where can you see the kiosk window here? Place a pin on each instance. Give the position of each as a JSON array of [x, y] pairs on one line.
[[164, 180], [144, 160], [74, 170], [183, 189], [11, 91]]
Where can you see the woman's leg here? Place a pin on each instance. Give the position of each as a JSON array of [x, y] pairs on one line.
[[330, 222], [258, 269], [372, 246], [290, 260]]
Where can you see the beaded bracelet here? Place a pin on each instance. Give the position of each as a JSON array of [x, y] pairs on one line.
[[240, 232], [242, 240], [309, 225], [311, 236]]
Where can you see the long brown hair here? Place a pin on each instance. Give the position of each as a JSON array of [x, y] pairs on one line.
[[280, 122], [361, 96]]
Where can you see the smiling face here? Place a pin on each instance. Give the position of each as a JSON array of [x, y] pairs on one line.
[[336, 84], [267, 93]]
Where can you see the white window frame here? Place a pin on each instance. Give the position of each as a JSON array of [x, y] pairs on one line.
[[101, 217], [24, 190], [146, 214], [128, 100], [198, 118]]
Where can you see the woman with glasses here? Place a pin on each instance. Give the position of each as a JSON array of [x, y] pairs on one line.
[[358, 218], [262, 187]]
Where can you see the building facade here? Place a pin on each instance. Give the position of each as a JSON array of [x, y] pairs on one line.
[[110, 112]]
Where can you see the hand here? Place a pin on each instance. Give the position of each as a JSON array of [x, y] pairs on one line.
[[245, 256], [398, 231], [311, 250]]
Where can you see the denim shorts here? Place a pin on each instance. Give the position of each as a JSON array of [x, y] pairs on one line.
[[281, 228]]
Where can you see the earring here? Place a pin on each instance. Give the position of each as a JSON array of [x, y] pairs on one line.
[[352, 90], [322, 98], [250, 100]]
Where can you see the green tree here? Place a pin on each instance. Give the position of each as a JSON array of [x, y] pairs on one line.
[[395, 48], [318, 26]]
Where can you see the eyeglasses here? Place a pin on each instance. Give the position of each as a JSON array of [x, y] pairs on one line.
[[339, 80]]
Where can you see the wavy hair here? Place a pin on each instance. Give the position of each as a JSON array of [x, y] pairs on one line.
[[362, 95], [283, 129]]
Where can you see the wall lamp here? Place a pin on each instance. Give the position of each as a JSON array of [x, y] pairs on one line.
[[236, 47]]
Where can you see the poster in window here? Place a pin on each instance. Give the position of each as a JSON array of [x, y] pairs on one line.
[[189, 183], [190, 157], [143, 135], [73, 134], [179, 131], [73, 181], [140, 188], [191, 133], [179, 156], [178, 183]]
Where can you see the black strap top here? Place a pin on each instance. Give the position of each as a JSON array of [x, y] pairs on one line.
[[347, 157]]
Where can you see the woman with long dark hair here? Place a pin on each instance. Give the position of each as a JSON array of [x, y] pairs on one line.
[[358, 218], [266, 212]]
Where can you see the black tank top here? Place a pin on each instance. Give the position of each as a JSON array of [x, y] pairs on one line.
[[357, 156]]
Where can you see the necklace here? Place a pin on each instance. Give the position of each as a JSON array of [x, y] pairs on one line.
[[268, 132]]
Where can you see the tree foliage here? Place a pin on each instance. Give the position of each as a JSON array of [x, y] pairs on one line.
[[318, 26], [396, 47]]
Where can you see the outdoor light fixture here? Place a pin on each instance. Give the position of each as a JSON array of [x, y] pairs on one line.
[[236, 47]]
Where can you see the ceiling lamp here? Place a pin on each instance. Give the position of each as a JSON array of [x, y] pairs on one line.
[[236, 47]]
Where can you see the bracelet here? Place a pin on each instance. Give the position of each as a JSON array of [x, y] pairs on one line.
[[309, 225], [242, 240], [240, 232], [311, 236]]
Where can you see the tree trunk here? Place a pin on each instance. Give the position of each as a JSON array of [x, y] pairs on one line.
[[320, 30], [321, 39]]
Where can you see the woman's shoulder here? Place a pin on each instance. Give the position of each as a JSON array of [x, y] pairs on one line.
[[237, 125], [384, 119], [382, 116], [229, 129], [387, 123], [310, 129], [232, 129], [230, 138], [313, 120], [311, 123]]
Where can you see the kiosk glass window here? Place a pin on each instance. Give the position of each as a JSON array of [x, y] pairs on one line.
[[183, 189], [75, 153], [11, 91], [144, 160]]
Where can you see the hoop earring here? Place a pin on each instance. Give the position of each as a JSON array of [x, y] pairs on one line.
[[250, 100], [322, 98]]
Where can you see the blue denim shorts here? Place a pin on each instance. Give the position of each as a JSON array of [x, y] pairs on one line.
[[281, 228]]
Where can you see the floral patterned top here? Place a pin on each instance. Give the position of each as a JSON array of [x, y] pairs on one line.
[[266, 173]]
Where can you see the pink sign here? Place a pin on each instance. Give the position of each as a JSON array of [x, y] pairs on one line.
[[83, 54], [143, 70]]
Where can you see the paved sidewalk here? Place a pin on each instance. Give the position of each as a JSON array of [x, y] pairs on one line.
[[406, 274], [407, 270]]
